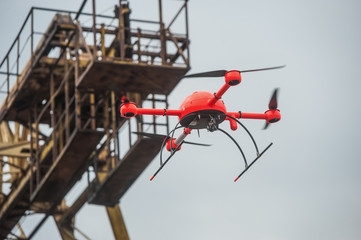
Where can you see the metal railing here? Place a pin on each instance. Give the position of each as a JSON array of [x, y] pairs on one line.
[[146, 46]]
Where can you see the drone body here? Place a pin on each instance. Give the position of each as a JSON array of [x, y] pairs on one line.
[[206, 110]]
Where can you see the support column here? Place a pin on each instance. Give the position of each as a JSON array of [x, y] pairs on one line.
[[95, 50], [114, 213], [114, 129], [121, 35], [92, 111], [52, 115], [66, 93], [117, 223], [65, 228], [163, 50], [77, 93]]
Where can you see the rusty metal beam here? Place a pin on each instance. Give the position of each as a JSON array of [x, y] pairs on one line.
[[80, 9], [65, 228], [117, 223], [19, 149], [94, 31], [121, 34], [73, 209]]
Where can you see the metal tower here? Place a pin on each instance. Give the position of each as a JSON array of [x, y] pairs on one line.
[[59, 117]]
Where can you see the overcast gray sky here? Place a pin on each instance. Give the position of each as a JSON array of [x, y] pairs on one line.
[[307, 186]]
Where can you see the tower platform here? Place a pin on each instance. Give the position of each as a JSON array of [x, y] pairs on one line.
[[68, 167], [112, 74], [126, 171]]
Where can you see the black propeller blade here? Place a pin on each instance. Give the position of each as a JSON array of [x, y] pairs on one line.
[[221, 73], [199, 144], [162, 137], [266, 126], [273, 104], [218, 73], [151, 135], [262, 69]]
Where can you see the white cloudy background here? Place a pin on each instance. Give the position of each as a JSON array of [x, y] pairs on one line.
[[307, 186]]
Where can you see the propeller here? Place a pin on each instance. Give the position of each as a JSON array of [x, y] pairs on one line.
[[124, 100], [273, 104], [221, 73], [273, 101], [162, 137]]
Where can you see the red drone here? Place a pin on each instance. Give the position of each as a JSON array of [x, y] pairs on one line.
[[206, 110]]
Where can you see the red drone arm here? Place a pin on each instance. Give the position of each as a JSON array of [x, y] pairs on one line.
[[271, 116], [175, 142], [232, 78], [129, 110]]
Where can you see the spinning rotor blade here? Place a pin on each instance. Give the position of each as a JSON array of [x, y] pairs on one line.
[[272, 105], [151, 135], [273, 102], [262, 69], [218, 73], [221, 73], [162, 137], [198, 144]]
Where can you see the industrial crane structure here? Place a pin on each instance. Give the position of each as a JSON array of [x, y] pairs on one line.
[[60, 92]]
